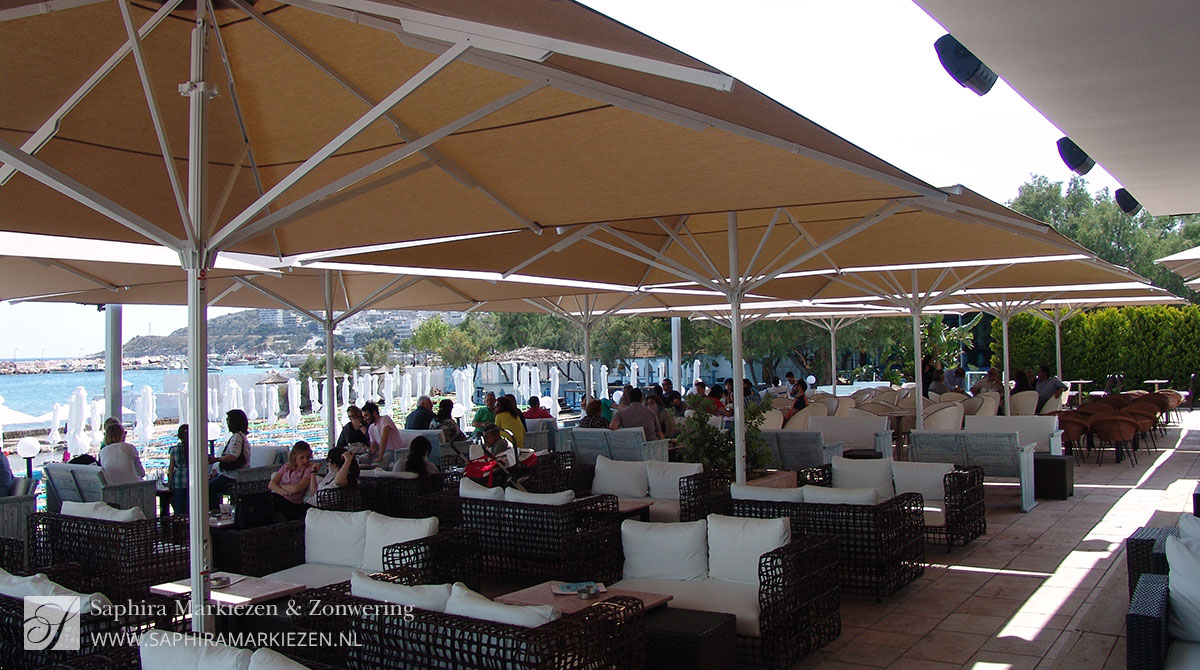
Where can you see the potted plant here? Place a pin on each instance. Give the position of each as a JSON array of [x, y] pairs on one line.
[[707, 444]]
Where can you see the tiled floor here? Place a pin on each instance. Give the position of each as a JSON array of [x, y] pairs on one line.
[[1043, 589]]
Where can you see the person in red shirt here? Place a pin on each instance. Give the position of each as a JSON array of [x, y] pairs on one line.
[[719, 408], [536, 411]]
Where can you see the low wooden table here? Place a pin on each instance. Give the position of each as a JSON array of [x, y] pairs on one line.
[[775, 479], [628, 508], [542, 595], [245, 591]]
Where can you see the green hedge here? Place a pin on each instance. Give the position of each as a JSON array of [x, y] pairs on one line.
[[1144, 342]]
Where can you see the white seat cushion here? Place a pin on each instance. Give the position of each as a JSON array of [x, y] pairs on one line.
[[1183, 617], [102, 511], [383, 530], [665, 550], [624, 479], [560, 498], [269, 659], [467, 488], [863, 473], [313, 575], [935, 513], [380, 472], [1182, 655], [712, 595], [928, 479], [664, 511], [164, 650], [748, 492], [40, 585], [1189, 526], [824, 494], [465, 602], [735, 545], [336, 538], [664, 477], [430, 597]]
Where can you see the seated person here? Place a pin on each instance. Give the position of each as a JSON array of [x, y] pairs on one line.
[[938, 385], [716, 393], [989, 384], [666, 418], [343, 473], [418, 457], [119, 459], [776, 389], [536, 411], [593, 419], [292, 481], [445, 422], [799, 389], [354, 434]]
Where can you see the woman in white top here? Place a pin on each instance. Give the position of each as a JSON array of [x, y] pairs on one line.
[[343, 473], [235, 456], [119, 459]]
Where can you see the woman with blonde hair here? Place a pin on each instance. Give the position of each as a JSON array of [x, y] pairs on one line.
[[292, 481]]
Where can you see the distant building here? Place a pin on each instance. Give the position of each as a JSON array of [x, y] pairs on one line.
[[270, 317]]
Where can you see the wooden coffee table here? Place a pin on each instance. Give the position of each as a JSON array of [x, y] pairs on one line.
[[629, 508], [542, 595], [244, 591]]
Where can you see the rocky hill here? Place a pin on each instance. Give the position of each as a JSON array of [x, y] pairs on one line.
[[240, 330]]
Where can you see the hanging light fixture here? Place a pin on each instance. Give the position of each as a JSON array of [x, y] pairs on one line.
[[1127, 203], [964, 66], [1074, 157]]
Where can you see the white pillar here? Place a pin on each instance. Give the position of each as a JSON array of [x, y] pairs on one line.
[[330, 383], [1058, 319], [112, 361], [1004, 363], [735, 327], [677, 354], [917, 376], [196, 263], [588, 385], [833, 355]]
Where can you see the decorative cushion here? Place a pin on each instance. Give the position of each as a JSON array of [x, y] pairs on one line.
[[928, 479], [710, 595], [1182, 655], [269, 659], [748, 492], [735, 545], [313, 575], [822, 494], [383, 530], [40, 585], [560, 498], [856, 473], [664, 477], [665, 550], [935, 513], [165, 650], [624, 479], [465, 602], [1183, 616], [430, 597], [335, 537], [1189, 526], [467, 488], [102, 511]]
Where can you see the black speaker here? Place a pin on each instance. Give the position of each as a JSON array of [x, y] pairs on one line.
[[963, 66], [1127, 203], [1075, 158]]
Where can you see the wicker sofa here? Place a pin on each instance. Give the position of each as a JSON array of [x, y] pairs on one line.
[[799, 449], [624, 444], [1000, 454], [881, 546], [67, 482], [121, 559]]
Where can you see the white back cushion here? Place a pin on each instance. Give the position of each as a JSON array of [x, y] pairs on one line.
[[854, 432], [928, 479], [748, 492], [430, 597], [40, 585], [269, 659], [1183, 617], [665, 550], [467, 488], [383, 530], [861, 473], [560, 498], [735, 544], [465, 602], [624, 479], [102, 511], [664, 477], [1189, 526], [822, 494], [164, 650], [336, 538], [1029, 429]]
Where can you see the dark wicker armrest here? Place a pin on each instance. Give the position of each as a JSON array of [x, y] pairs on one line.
[[905, 515], [595, 511], [819, 476], [446, 505], [268, 549], [1146, 624], [447, 557], [341, 499], [620, 622], [12, 554], [594, 555], [581, 478], [703, 494], [1146, 552]]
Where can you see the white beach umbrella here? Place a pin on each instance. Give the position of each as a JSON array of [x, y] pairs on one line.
[[78, 440], [251, 404], [272, 401], [314, 395], [345, 392], [97, 417], [214, 402], [602, 382], [406, 391], [389, 391], [372, 392], [516, 380], [237, 399], [428, 380], [554, 392], [696, 371], [183, 403], [662, 371], [11, 416], [293, 416], [535, 380], [634, 369], [145, 414], [54, 436]]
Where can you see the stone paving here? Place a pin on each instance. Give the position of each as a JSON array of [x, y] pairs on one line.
[[1043, 589]]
